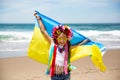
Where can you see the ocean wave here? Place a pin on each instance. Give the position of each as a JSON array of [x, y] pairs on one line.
[[15, 36], [10, 50], [92, 34], [11, 37], [102, 35]]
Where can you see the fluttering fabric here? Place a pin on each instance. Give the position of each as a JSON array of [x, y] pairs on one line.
[[40, 50]]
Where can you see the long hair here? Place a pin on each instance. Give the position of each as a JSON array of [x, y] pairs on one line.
[[67, 31], [69, 54]]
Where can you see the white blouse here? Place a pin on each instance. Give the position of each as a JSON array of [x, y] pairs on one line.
[[60, 58]]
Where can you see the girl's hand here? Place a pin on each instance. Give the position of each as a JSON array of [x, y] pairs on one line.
[[35, 14], [37, 17]]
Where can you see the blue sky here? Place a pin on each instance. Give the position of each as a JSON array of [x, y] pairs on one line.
[[64, 11]]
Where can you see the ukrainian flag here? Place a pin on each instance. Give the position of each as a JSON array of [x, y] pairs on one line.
[[39, 47]]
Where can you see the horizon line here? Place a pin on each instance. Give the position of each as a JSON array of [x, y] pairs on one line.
[[70, 23]]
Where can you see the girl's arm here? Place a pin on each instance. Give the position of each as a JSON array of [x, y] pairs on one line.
[[84, 41], [43, 30]]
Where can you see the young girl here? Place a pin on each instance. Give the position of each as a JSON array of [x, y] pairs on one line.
[[61, 36]]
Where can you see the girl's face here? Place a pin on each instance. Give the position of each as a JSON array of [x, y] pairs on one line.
[[62, 39]]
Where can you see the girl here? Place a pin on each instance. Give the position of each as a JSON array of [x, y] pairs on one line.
[[61, 36]]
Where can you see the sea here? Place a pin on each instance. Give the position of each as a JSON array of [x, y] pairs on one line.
[[15, 38]]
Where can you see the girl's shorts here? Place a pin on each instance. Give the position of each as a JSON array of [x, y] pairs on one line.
[[61, 77]]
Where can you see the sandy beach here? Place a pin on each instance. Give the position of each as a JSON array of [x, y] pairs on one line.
[[24, 68]]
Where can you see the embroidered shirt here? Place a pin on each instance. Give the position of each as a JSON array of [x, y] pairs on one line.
[[60, 58]]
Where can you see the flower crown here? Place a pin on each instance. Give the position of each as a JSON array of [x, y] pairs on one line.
[[61, 29]]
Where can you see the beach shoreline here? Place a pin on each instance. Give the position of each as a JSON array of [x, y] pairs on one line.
[[24, 68]]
